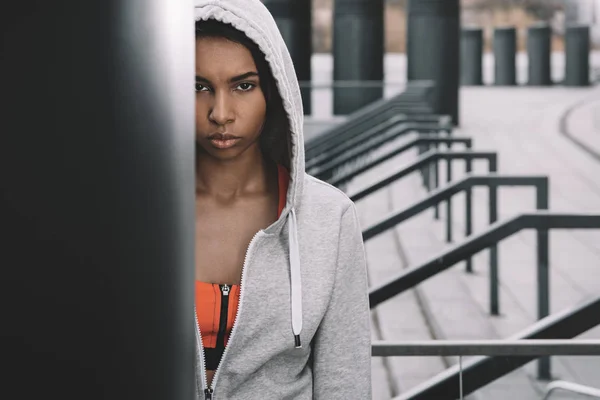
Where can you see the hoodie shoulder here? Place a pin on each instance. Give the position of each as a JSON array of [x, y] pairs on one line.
[[318, 193]]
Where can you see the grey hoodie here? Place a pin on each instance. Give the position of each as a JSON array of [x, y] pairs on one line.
[[302, 329]]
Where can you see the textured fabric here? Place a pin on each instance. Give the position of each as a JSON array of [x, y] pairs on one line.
[[208, 311], [304, 278]]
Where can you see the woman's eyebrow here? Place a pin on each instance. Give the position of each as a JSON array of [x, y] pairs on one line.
[[243, 76], [236, 78]]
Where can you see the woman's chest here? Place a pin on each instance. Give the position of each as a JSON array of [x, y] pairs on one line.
[[222, 238]]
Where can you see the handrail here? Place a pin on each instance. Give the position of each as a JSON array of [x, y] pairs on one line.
[[540, 183], [421, 139], [427, 158], [444, 193], [541, 220], [497, 347], [343, 131], [399, 113], [571, 387], [374, 130], [481, 371], [367, 141], [356, 118]]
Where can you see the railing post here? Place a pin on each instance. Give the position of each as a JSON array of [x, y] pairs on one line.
[[436, 172], [493, 210], [449, 201], [543, 274], [469, 209]]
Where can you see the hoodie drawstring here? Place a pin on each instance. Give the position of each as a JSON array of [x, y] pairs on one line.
[[296, 278]]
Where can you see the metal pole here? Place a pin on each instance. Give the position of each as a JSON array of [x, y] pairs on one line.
[[97, 199], [493, 210], [449, 201], [433, 43], [543, 273], [538, 53], [577, 54], [469, 211], [358, 49], [543, 293], [471, 56], [505, 49], [436, 173], [294, 20]]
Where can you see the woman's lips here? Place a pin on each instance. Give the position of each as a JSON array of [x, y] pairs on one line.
[[223, 140], [224, 143]]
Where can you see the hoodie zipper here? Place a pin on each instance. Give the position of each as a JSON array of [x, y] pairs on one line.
[[204, 377], [223, 316], [209, 391]]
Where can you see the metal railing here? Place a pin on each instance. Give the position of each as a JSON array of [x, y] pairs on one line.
[[540, 183], [540, 339], [420, 140], [415, 94], [571, 387], [422, 162], [542, 222], [367, 141], [344, 131]]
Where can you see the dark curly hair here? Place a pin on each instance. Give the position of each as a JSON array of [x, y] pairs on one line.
[[275, 136]]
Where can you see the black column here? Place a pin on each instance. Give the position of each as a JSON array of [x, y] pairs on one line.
[[97, 199], [358, 49], [433, 50], [538, 53], [577, 54], [471, 56], [505, 61], [294, 19]]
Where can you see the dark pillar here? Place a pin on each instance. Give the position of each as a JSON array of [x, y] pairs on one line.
[[505, 51], [538, 53], [471, 56], [294, 19], [358, 49], [577, 54], [433, 50], [97, 199]]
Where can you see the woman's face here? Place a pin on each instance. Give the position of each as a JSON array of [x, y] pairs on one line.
[[230, 105]]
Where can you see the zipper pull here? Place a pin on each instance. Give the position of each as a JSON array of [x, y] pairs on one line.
[[225, 290], [208, 394]]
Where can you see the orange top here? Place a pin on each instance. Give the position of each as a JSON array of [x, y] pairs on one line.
[[209, 296]]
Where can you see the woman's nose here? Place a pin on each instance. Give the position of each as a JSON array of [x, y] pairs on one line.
[[222, 111]]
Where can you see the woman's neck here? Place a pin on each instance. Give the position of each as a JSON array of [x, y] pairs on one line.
[[248, 174]]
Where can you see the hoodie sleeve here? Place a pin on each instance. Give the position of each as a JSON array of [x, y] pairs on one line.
[[342, 345]]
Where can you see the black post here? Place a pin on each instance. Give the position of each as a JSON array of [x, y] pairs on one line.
[[433, 44], [97, 199], [538, 53], [471, 56], [294, 19], [505, 50], [358, 50], [577, 54]]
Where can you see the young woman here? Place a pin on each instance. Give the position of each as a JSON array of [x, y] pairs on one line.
[[281, 290]]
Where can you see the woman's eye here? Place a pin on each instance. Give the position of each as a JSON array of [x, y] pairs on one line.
[[244, 87], [201, 88]]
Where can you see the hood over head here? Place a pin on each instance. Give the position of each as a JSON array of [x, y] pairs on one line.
[[253, 19]]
